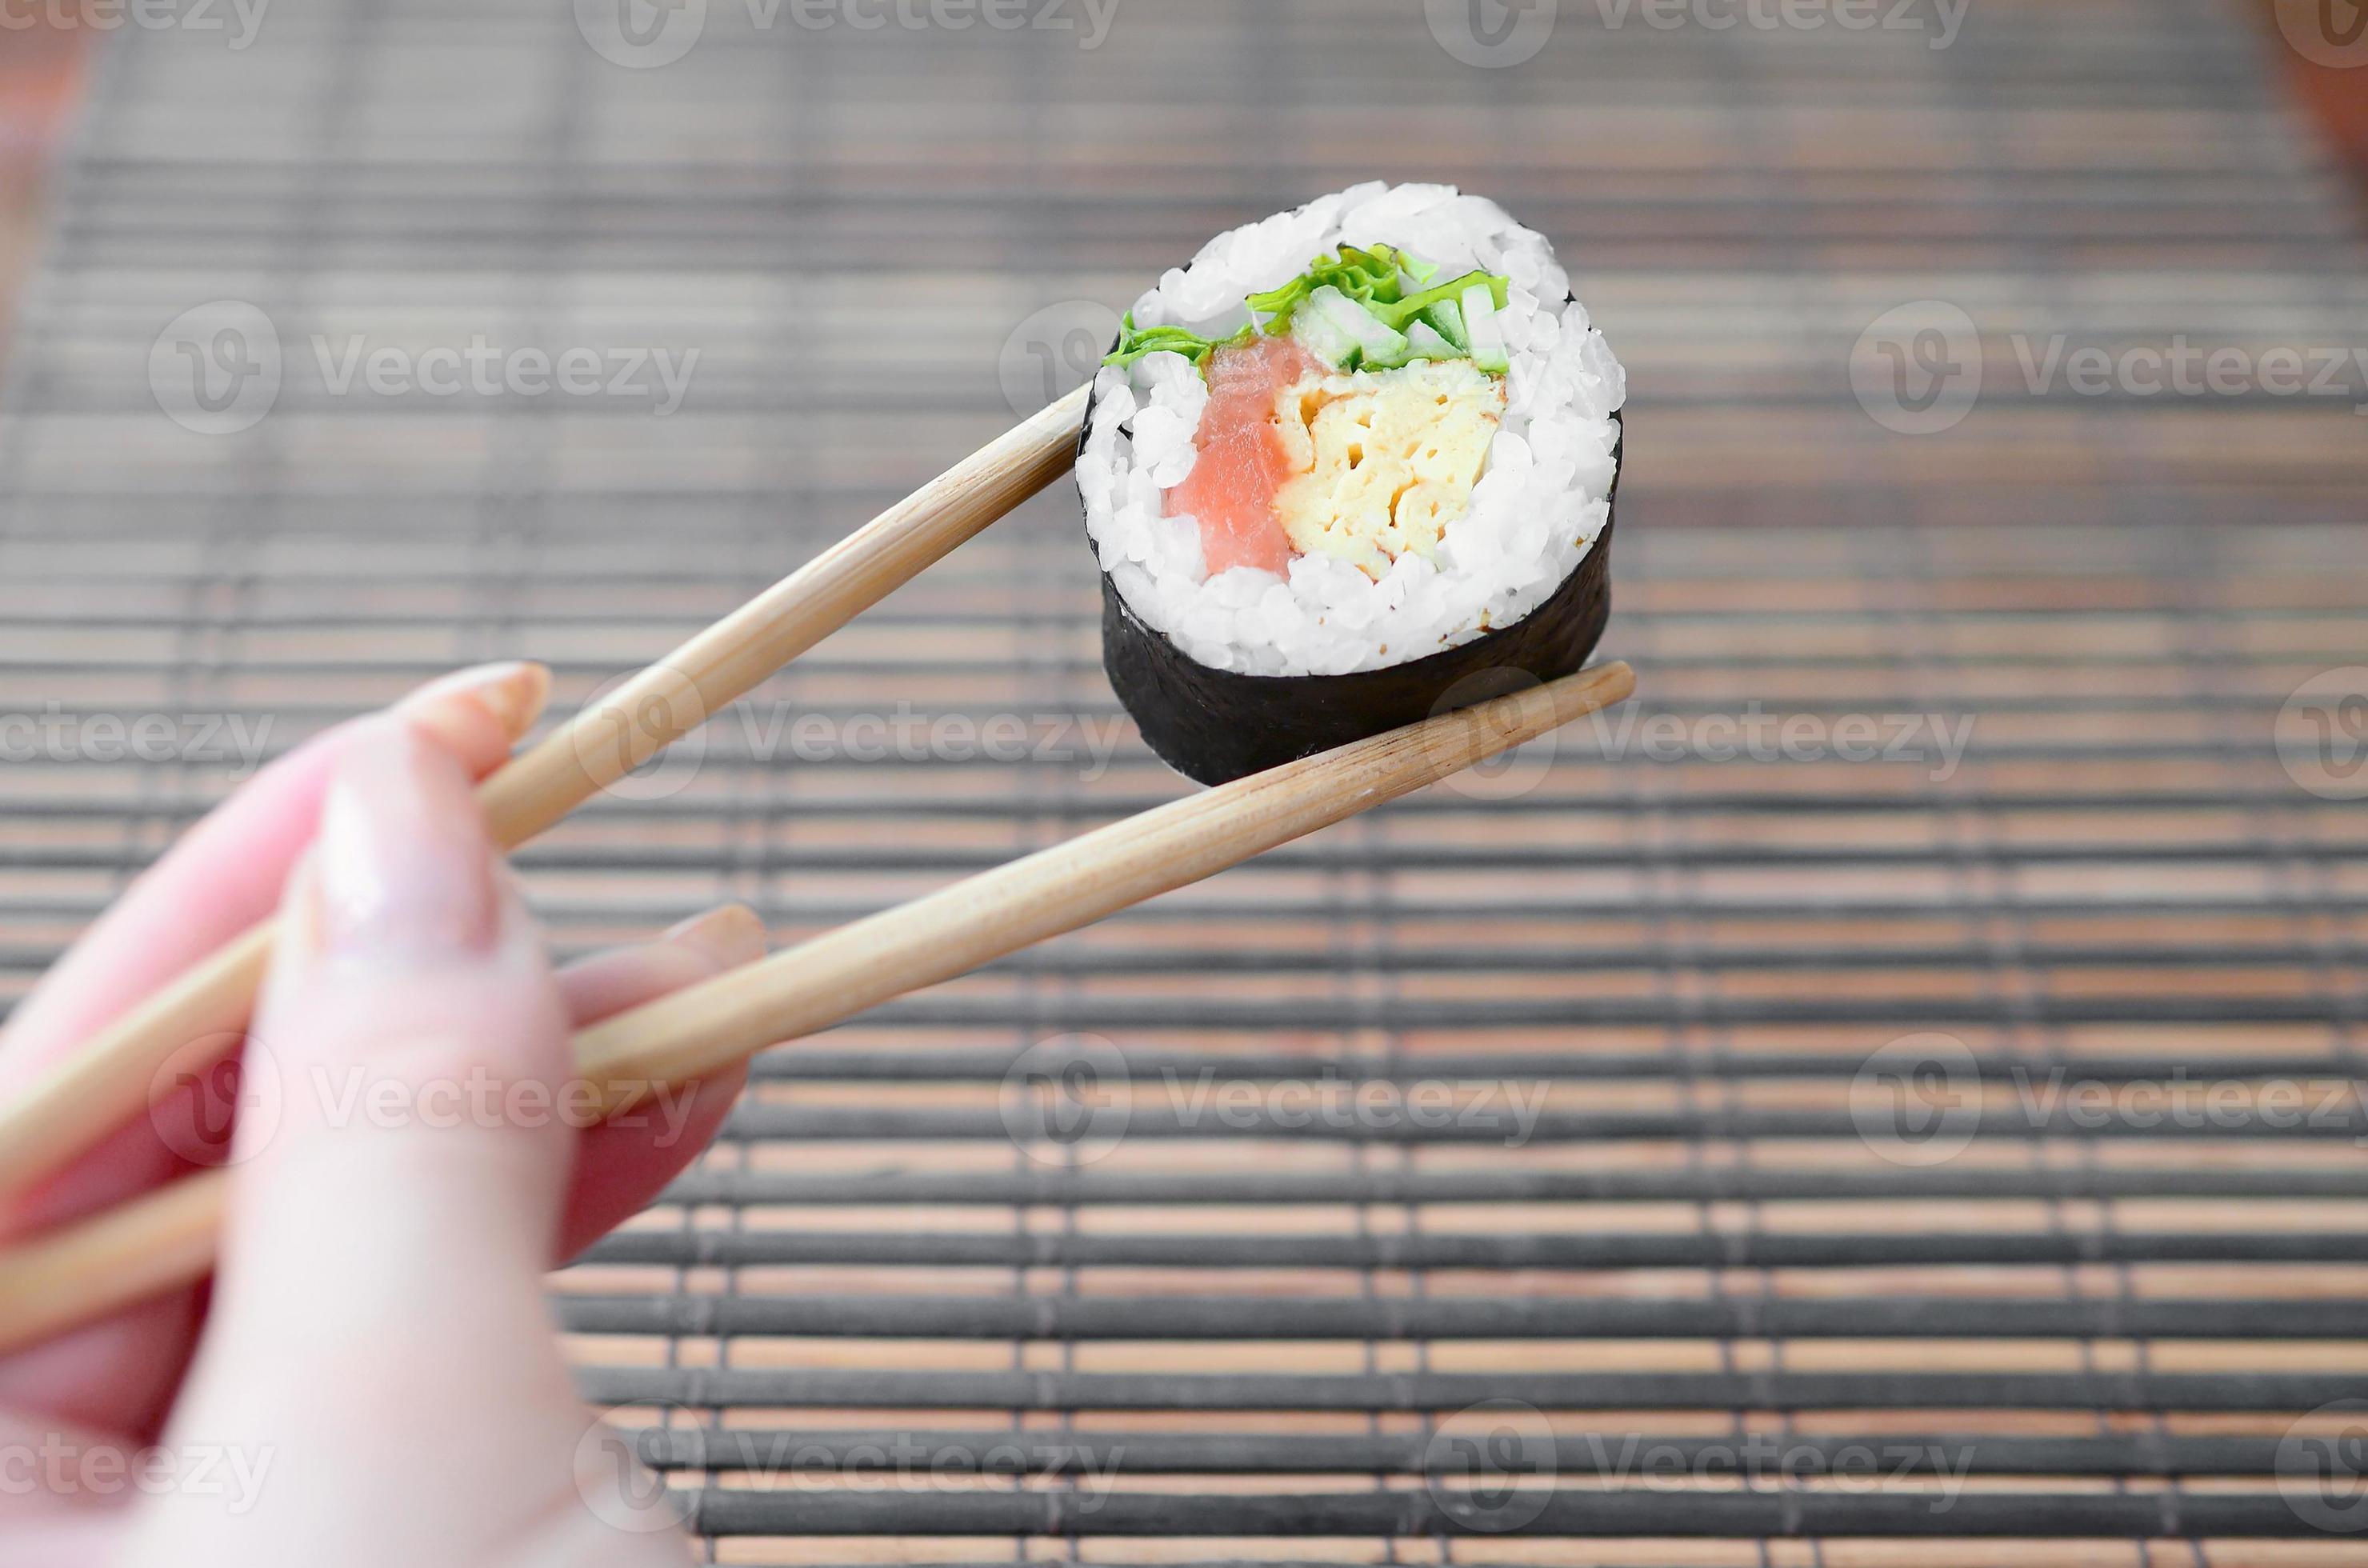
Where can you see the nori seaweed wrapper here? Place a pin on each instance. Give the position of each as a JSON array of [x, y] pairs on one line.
[[1214, 726]]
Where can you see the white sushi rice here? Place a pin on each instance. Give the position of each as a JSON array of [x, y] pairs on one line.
[[1541, 501]]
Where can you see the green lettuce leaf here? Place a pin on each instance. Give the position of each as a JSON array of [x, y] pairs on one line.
[[1136, 342], [1372, 276]]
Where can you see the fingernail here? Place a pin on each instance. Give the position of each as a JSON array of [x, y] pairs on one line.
[[402, 863], [727, 936], [512, 693]]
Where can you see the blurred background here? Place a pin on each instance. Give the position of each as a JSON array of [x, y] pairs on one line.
[[1901, 1078]]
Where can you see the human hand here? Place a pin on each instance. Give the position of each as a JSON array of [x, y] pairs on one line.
[[376, 1377]]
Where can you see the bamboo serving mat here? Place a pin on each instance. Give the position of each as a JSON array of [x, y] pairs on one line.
[[1638, 1154]]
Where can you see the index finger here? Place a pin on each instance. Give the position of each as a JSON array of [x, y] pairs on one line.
[[222, 877], [226, 872]]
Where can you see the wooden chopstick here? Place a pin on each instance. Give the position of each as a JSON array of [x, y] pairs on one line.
[[155, 1243], [166, 1239], [110, 1079]]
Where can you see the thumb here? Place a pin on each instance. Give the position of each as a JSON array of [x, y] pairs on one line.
[[393, 1213], [418, 1040]]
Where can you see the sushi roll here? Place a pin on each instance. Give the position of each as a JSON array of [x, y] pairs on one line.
[[1354, 464]]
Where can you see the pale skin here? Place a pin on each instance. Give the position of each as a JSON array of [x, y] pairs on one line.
[[374, 1376]]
